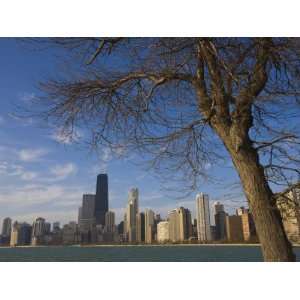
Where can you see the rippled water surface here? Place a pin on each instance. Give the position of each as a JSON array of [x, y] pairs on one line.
[[136, 253]]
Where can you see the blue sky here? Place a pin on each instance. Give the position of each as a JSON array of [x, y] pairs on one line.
[[44, 174]]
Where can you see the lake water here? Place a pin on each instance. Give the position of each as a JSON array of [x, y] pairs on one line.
[[136, 253]]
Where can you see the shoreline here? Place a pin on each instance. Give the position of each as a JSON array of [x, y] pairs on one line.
[[149, 245], [141, 245]]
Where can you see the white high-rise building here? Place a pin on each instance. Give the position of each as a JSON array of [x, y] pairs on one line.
[[203, 217], [110, 221], [173, 225], [131, 213], [163, 231], [38, 231]]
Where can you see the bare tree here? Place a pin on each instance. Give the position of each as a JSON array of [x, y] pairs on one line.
[[181, 101]]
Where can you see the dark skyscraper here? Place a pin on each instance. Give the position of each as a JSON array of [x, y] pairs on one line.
[[6, 227], [220, 221], [101, 200]]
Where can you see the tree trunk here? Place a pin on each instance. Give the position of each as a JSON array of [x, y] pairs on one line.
[[274, 243]]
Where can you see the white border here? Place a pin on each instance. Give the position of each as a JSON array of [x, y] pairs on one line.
[[149, 18], [232, 281], [247, 281]]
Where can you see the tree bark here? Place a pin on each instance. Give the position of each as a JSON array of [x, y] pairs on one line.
[[274, 243]]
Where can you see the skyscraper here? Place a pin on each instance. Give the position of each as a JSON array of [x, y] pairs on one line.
[[38, 231], [220, 221], [56, 226], [218, 207], [6, 227], [101, 200], [20, 234], [203, 217], [173, 220], [131, 213], [88, 207], [185, 224], [70, 233], [87, 219], [79, 214], [140, 227], [110, 230], [163, 231], [149, 226], [110, 222], [180, 224], [234, 228]]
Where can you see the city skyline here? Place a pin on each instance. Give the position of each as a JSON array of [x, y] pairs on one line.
[[137, 226], [86, 209], [210, 224]]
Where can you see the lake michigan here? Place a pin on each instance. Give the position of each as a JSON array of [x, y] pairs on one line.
[[174, 253]]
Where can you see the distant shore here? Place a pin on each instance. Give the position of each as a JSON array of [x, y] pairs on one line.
[[144, 245], [141, 245]]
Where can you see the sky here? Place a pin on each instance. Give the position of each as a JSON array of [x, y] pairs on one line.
[[44, 174]]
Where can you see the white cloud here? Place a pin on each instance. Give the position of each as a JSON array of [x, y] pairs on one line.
[[8, 169], [29, 176], [63, 171], [22, 120], [31, 155], [27, 97], [38, 194], [66, 137]]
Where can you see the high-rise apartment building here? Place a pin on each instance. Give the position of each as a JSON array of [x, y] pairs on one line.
[[149, 226], [70, 234], [101, 199], [163, 231], [87, 219], [234, 228], [174, 227], [47, 228], [125, 227], [38, 227], [88, 207], [56, 226], [140, 227], [39, 230], [185, 224], [6, 227], [110, 225], [110, 230], [220, 221], [56, 238], [218, 207], [203, 217], [79, 214], [131, 213], [20, 234], [180, 224]]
